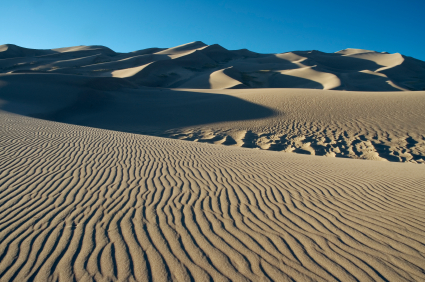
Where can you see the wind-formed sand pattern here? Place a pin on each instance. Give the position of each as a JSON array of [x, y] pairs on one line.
[[90, 190], [83, 204]]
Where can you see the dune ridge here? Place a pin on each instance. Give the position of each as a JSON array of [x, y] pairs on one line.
[[198, 65], [87, 204]]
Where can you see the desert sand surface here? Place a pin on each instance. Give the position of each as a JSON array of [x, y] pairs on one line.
[[352, 103], [303, 166], [83, 204], [387, 126]]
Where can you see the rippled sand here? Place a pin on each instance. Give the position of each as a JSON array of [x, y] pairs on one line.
[[86, 204], [321, 183]]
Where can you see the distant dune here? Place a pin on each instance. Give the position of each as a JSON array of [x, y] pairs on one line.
[[91, 191], [201, 66]]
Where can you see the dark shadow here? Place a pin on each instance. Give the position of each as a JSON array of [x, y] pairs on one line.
[[360, 81], [385, 152], [334, 62], [278, 80], [15, 51], [112, 103]]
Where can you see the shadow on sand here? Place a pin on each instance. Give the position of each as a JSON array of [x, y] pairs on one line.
[[84, 101]]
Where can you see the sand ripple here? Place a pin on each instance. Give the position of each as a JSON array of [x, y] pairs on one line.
[[86, 204]]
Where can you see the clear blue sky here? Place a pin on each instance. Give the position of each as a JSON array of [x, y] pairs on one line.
[[265, 26]]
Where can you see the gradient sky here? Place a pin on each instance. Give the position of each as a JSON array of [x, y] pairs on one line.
[[265, 26]]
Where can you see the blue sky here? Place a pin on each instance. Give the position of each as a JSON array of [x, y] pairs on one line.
[[265, 26]]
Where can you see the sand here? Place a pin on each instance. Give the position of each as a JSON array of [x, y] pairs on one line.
[[386, 126], [268, 182], [83, 204]]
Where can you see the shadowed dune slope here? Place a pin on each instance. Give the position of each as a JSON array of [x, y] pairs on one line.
[[197, 65], [112, 103], [87, 204]]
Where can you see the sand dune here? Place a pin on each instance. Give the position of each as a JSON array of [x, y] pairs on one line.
[[368, 125], [84, 204], [91, 191], [194, 65]]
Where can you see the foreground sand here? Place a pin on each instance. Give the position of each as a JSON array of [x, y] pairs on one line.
[[83, 204]]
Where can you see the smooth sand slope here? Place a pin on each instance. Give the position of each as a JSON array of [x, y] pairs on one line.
[[200, 66], [87, 204]]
